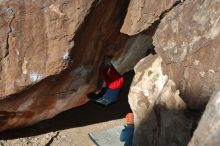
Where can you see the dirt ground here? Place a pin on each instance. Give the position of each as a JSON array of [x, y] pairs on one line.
[[77, 136], [71, 128], [67, 129]]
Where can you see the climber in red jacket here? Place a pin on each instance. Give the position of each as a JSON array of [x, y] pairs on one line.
[[114, 83]]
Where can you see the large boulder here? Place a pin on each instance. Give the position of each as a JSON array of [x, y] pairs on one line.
[[208, 130], [182, 76], [187, 39], [159, 112], [143, 13], [50, 54], [36, 40]]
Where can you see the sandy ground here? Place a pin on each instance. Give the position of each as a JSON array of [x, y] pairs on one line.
[[79, 136], [71, 128], [68, 137]]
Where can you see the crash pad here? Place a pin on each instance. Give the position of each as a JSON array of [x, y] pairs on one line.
[[108, 137]]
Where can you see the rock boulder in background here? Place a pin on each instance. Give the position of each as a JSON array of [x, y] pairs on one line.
[[188, 41], [159, 111], [183, 76], [143, 13], [36, 40]]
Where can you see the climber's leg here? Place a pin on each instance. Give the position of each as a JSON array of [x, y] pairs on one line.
[[110, 96], [93, 96]]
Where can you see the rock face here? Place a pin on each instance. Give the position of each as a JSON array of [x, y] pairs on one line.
[[136, 49], [50, 54], [183, 75], [36, 40], [143, 13], [187, 39], [208, 130], [159, 112], [51, 51]]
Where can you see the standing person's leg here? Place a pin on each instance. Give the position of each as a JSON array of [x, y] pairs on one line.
[[127, 133]]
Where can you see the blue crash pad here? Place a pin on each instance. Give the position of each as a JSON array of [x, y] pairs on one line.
[[109, 137]]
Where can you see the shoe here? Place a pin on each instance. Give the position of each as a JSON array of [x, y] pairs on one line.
[[93, 97], [105, 101]]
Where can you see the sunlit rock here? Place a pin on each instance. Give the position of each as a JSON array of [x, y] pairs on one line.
[[187, 39], [142, 14], [159, 112]]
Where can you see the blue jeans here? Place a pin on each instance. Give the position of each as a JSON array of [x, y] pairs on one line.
[[106, 96], [111, 94]]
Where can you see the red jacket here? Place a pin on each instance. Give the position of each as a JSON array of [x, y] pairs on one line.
[[113, 79]]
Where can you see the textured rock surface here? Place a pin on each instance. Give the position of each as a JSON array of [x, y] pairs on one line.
[[36, 39], [35, 50], [50, 54], [143, 13], [208, 130], [136, 49], [188, 41], [159, 112]]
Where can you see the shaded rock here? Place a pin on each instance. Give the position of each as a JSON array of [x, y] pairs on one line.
[[143, 13], [39, 35], [208, 130], [187, 39], [159, 112], [55, 48], [36, 40], [136, 49]]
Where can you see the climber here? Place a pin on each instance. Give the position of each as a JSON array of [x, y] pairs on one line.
[[113, 80], [127, 133]]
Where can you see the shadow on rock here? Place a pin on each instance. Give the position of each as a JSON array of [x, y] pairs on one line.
[[81, 116], [164, 127]]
